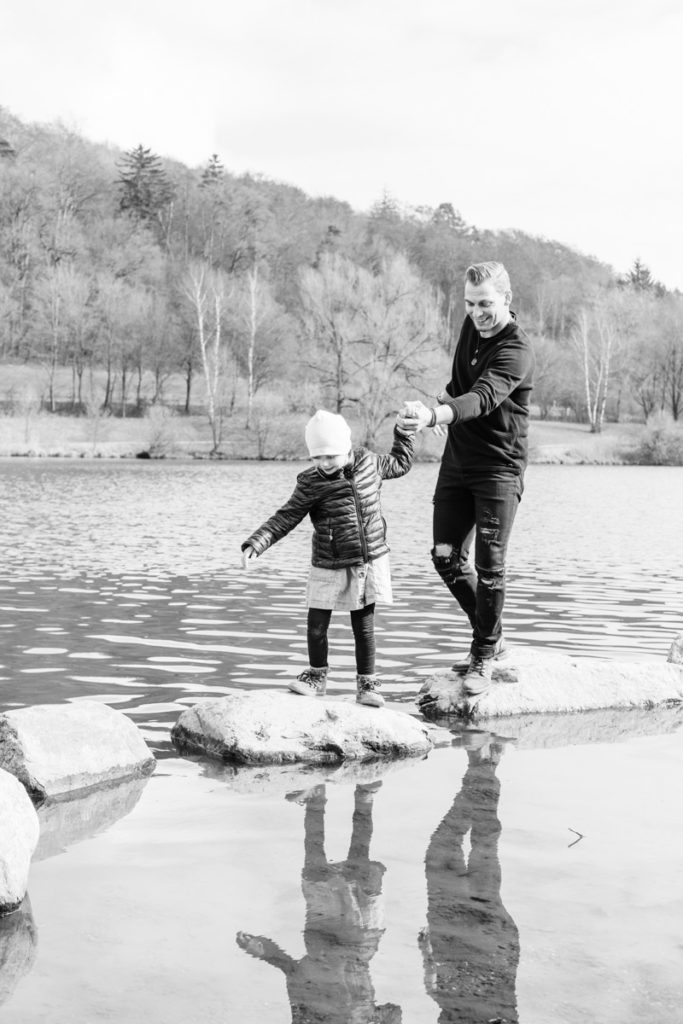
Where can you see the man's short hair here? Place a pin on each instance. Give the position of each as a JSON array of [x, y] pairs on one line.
[[491, 271]]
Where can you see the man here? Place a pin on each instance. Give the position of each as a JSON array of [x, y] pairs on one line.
[[486, 408]]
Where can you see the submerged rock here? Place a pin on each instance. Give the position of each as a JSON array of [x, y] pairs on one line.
[[272, 727], [19, 830], [532, 681], [55, 749]]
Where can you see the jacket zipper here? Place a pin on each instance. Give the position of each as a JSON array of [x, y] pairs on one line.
[[361, 531]]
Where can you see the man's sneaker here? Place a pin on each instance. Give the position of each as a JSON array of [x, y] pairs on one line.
[[478, 677], [311, 683], [500, 651], [366, 691]]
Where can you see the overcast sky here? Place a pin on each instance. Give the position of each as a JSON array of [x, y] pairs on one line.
[[562, 119]]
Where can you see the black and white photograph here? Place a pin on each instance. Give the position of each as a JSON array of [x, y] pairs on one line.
[[341, 504]]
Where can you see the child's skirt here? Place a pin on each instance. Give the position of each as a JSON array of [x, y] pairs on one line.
[[351, 588]]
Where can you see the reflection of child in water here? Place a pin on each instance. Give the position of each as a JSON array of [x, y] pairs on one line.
[[332, 983], [471, 945]]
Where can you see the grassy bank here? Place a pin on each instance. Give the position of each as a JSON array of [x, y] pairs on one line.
[[274, 434], [163, 435]]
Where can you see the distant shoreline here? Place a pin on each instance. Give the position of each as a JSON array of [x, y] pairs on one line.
[[548, 456], [279, 439]]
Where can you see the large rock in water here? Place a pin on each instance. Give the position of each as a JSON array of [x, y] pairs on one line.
[[55, 749], [271, 727], [536, 681], [19, 830]]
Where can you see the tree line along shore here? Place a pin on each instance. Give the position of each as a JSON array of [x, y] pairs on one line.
[[163, 434], [192, 308]]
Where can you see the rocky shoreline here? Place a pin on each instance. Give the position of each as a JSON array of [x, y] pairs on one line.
[[55, 759]]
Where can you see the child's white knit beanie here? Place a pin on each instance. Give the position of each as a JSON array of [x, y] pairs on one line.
[[327, 433]]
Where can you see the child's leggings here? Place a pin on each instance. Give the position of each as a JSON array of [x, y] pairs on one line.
[[363, 626]]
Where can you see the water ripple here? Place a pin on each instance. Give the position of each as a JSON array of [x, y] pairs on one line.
[[167, 606]]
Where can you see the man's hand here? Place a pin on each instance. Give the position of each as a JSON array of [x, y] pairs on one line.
[[406, 424], [413, 417], [247, 554]]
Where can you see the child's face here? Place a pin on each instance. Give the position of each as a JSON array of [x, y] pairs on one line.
[[330, 464]]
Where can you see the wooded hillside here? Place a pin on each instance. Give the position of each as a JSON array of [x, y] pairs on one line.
[[153, 282]]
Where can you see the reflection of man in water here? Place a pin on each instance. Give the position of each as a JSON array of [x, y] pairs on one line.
[[471, 944], [332, 983]]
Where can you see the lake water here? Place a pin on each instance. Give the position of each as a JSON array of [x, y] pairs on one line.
[[532, 874]]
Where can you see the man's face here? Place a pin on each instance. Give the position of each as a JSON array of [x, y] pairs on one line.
[[488, 308]]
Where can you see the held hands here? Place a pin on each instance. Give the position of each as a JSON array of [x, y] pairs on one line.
[[247, 554], [415, 416]]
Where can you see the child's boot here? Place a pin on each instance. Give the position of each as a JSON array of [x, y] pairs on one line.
[[366, 691], [311, 683]]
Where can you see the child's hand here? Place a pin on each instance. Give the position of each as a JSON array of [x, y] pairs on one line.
[[413, 417], [247, 554]]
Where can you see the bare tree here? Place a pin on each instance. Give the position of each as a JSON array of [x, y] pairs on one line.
[[332, 296], [111, 306], [262, 332], [375, 333], [671, 362], [550, 373], [207, 291], [50, 298], [402, 344], [594, 339], [253, 308]]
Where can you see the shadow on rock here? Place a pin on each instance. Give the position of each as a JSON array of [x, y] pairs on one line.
[[18, 942], [470, 947], [344, 922]]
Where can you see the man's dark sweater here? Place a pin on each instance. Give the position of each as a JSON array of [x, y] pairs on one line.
[[489, 395]]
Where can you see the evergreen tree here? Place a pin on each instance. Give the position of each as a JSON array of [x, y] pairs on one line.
[[213, 173], [446, 216], [144, 188], [639, 277]]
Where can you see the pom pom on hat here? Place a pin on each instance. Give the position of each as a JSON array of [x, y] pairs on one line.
[[327, 433]]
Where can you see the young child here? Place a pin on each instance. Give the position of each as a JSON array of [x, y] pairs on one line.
[[350, 558]]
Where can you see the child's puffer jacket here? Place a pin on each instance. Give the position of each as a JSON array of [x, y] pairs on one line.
[[345, 509]]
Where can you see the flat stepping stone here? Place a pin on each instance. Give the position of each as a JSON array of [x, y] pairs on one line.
[[532, 681], [272, 727], [57, 749]]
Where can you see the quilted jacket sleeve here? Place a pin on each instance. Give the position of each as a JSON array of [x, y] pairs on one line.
[[281, 522], [400, 458]]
